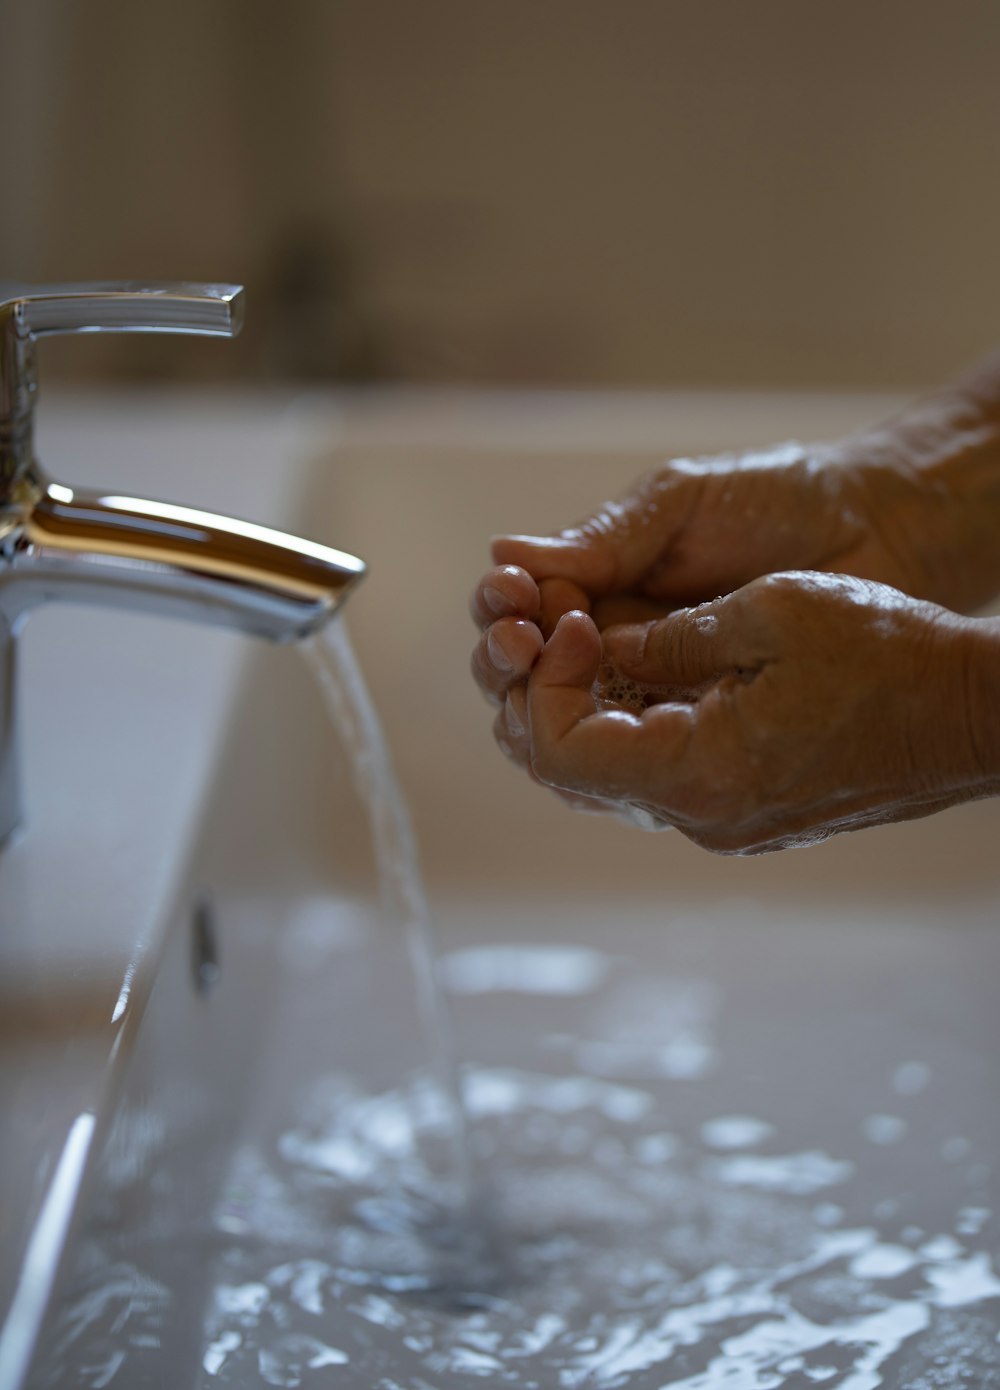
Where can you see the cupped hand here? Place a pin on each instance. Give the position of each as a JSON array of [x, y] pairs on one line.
[[690, 530], [696, 528], [800, 705]]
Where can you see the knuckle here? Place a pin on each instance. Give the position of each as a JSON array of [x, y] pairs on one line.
[[770, 588], [667, 477], [773, 600]]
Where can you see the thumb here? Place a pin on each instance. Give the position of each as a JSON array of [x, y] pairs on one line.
[[561, 686], [572, 655], [686, 649], [607, 552]]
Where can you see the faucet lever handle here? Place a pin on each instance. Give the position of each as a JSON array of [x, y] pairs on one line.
[[128, 307], [28, 312]]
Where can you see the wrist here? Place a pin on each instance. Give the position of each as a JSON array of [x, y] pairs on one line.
[[933, 475], [977, 653]]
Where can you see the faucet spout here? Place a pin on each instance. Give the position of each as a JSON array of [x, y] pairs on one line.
[[129, 552]]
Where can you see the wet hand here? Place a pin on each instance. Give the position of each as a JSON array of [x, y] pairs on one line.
[[696, 528], [798, 706]]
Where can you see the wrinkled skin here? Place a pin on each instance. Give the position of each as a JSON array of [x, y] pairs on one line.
[[803, 704], [792, 707]]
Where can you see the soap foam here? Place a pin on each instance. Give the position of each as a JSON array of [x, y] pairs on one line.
[[614, 690]]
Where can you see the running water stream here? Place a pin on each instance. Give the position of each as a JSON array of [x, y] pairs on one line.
[[404, 904]]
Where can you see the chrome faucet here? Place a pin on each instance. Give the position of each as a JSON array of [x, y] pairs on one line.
[[58, 542]]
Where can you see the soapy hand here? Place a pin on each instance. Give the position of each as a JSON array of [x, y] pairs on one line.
[[800, 705], [803, 703], [693, 529], [696, 528]]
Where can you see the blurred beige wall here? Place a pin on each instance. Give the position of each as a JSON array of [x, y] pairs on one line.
[[573, 191]]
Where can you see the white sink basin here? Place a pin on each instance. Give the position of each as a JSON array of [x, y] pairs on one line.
[[738, 1119]]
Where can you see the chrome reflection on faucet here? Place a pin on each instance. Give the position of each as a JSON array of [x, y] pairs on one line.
[[61, 543]]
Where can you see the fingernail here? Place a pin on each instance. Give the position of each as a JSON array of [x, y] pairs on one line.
[[496, 601], [569, 618], [497, 655]]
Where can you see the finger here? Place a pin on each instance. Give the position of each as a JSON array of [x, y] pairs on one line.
[[504, 592], [568, 556], [504, 655], [559, 596], [609, 754], [685, 650], [564, 676], [610, 550], [575, 747]]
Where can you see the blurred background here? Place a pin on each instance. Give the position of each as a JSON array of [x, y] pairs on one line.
[[559, 192]]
